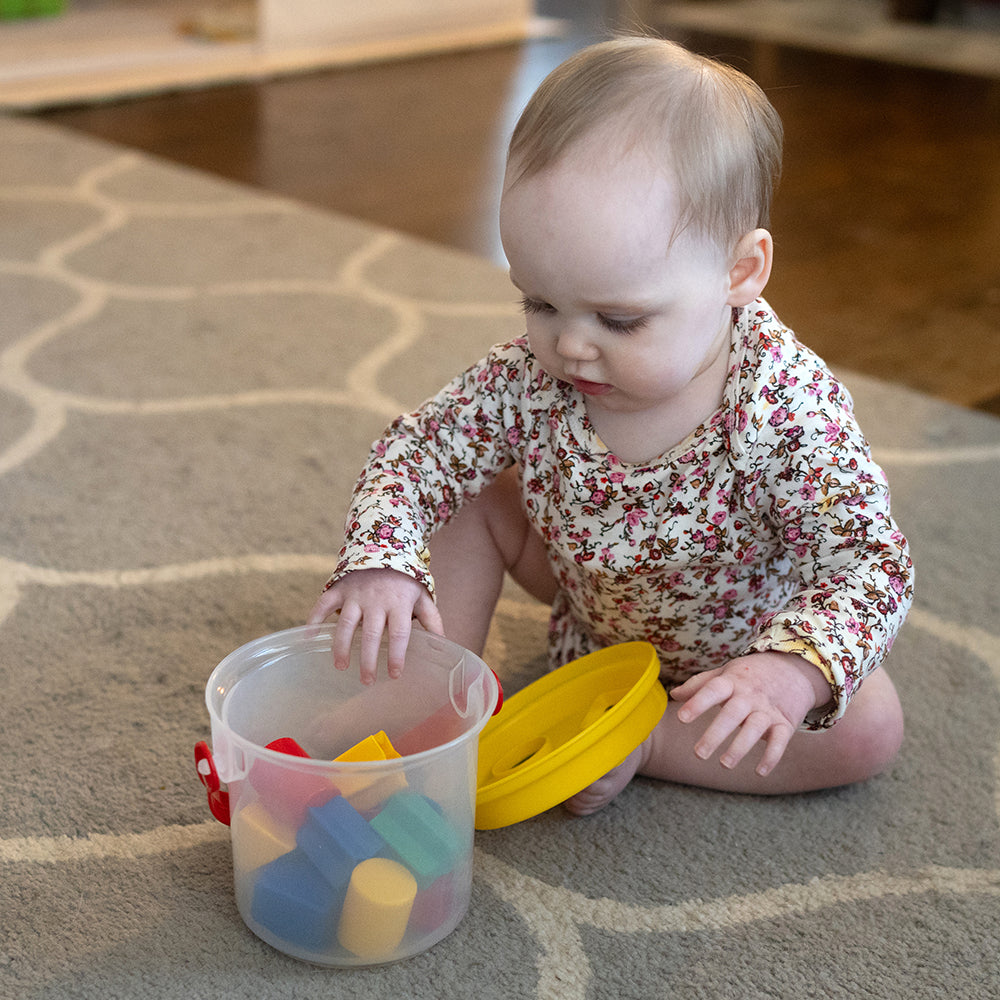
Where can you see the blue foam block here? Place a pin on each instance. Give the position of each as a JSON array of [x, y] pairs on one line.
[[292, 901], [337, 838]]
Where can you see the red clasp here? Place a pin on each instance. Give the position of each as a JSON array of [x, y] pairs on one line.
[[499, 692], [218, 800]]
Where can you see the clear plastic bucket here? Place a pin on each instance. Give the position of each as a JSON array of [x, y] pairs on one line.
[[347, 863]]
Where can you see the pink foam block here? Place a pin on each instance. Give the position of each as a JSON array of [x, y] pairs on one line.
[[284, 792], [443, 726], [433, 905]]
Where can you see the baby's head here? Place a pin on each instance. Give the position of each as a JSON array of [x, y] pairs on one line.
[[707, 124]]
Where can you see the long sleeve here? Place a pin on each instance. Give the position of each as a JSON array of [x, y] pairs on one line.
[[430, 461], [815, 483]]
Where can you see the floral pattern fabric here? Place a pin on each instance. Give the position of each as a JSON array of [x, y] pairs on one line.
[[767, 528]]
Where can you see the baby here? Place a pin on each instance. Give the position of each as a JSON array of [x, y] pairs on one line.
[[658, 458]]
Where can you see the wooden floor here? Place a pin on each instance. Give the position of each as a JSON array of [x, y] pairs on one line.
[[887, 223]]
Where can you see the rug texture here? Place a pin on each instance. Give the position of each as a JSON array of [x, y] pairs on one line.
[[190, 377]]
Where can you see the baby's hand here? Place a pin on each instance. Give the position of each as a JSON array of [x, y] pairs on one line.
[[761, 696], [380, 601]]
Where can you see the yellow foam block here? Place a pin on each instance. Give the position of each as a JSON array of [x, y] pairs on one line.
[[367, 792], [258, 838], [377, 747], [376, 909]]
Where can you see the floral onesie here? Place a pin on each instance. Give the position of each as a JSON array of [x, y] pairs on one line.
[[767, 528]]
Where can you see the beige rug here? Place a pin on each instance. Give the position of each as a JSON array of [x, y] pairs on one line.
[[190, 375]]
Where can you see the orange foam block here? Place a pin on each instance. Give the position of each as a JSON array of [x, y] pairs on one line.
[[376, 909]]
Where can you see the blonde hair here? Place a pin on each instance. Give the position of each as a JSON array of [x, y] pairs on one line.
[[709, 123]]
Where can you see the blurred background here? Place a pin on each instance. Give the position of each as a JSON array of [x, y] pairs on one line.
[[886, 223]]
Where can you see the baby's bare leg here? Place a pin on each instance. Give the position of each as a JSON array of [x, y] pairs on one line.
[[862, 744], [488, 537]]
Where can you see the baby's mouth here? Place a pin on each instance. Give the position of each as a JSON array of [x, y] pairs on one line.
[[590, 388]]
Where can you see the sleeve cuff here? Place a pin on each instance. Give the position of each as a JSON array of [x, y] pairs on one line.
[[419, 569], [826, 715]]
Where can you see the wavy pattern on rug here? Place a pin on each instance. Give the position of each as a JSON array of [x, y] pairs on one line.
[[190, 375]]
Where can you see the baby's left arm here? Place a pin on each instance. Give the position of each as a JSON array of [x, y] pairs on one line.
[[827, 505], [761, 696]]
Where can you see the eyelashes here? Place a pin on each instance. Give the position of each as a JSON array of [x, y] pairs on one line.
[[532, 307], [535, 307], [621, 325]]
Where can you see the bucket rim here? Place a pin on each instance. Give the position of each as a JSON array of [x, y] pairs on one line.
[[212, 689]]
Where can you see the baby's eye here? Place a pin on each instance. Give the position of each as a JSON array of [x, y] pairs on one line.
[[621, 325], [532, 307]]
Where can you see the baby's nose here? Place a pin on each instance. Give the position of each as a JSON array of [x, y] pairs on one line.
[[574, 344]]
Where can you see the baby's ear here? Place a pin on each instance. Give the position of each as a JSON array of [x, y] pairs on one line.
[[751, 268]]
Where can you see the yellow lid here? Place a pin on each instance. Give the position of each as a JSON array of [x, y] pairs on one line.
[[564, 731]]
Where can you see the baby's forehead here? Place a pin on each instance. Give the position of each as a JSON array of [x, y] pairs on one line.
[[614, 207], [610, 152]]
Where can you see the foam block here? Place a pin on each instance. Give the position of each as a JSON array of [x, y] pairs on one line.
[[376, 909], [337, 838], [285, 792], [377, 747], [367, 793], [442, 727], [434, 905], [419, 836], [258, 838], [292, 901], [285, 744], [366, 790]]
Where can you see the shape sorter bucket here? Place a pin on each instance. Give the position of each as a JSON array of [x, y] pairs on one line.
[[347, 863]]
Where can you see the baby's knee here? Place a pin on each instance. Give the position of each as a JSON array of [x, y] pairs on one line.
[[883, 745], [877, 736]]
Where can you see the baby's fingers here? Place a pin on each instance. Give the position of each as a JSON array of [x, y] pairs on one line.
[[326, 605], [700, 693], [398, 630], [777, 744], [426, 612], [373, 627], [343, 636], [726, 722], [748, 735]]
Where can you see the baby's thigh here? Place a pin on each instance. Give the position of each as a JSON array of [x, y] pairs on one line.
[[492, 534], [525, 555]]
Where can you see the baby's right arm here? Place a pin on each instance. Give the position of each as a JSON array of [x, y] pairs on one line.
[[381, 601], [417, 475]]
